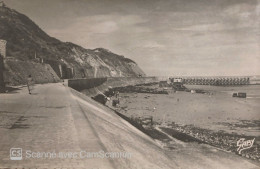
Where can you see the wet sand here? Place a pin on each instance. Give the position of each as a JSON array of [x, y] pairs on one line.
[[215, 111]]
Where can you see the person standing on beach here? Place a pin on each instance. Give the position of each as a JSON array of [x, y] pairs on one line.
[[30, 83]]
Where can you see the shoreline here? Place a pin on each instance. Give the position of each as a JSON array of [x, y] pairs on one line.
[[184, 136]]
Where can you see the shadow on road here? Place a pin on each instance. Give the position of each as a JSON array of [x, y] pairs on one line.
[[11, 90]]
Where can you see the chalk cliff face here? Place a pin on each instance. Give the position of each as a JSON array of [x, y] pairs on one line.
[[27, 42]]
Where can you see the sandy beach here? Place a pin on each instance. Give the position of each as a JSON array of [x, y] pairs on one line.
[[214, 117], [216, 111]]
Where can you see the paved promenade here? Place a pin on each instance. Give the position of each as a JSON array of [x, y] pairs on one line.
[[57, 120]]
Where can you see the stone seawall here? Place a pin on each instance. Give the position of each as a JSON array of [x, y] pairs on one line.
[[16, 72], [81, 84], [94, 86]]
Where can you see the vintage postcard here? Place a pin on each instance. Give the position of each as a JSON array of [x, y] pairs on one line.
[[138, 84]]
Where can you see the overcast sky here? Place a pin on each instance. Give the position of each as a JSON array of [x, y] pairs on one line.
[[165, 37]]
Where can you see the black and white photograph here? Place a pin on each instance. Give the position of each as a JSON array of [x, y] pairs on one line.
[[129, 84]]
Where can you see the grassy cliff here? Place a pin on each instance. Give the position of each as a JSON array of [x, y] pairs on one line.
[[27, 42]]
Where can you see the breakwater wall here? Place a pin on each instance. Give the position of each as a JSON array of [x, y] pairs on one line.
[[219, 81], [94, 86], [82, 84], [225, 81]]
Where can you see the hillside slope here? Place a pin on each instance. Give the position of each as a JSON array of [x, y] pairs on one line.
[[27, 42]]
